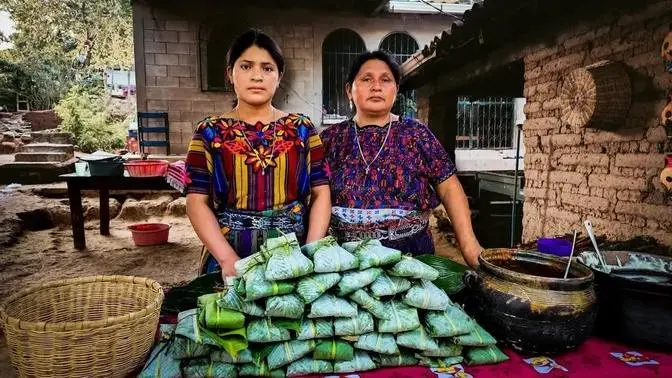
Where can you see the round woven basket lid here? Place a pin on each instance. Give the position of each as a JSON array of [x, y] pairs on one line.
[[598, 95]]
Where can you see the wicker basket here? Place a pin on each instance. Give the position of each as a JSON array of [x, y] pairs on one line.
[[100, 326], [597, 96]]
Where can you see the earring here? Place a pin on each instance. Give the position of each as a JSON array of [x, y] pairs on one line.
[[351, 105]]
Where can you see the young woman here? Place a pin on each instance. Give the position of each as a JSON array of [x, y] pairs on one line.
[[388, 173], [253, 170]]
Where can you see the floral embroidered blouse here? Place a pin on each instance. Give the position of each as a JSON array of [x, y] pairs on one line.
[[225, 164], [404, 175]]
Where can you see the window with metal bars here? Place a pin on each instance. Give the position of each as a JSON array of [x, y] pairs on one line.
[[339, 50], [485, 123], [402, 46]]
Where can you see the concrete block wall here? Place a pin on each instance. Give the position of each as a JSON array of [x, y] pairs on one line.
[[608, 177]]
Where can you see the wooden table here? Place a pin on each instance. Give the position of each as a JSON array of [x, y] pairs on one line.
[[102, 184]]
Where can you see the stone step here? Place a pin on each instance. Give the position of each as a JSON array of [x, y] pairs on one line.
[[46, 137], [48, 147], [34, 172], [37, 157]]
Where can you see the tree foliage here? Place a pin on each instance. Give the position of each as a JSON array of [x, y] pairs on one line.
[[83, 34], [84, 113]]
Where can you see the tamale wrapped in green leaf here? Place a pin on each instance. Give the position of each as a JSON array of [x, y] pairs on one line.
[[230, 300], [244, 357], [352, 281], [360, 362], [417, 339], [265, 331], [190, 326], [427, 296], [333, 350], [440, 362], [446, 349], [328, 306], [452, 322], [372, 253], [183, 348], [261, 370], [284, 306], [311, 287], [367, 302], [307, 365], [328, 256], [217, 317], [485, 355], [286, 260], [257, 286], [401, 318], [316, 329], [386, 285], [288, 352], [189, 341], [382, 343], [477, 337], [395, 360], [161, 363], [413, 268], [207, 298], [209, 369], [357, 325]]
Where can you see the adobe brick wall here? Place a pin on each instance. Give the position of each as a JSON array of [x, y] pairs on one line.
[[167, 61], [610, 178]]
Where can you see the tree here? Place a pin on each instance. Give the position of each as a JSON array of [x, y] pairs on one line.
[[82, 34]]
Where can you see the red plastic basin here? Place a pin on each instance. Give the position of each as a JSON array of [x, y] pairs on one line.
[[146, 168], [149, 233]]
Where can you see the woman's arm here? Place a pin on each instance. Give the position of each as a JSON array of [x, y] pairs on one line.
[[320, 213], [455, 201], [206, 227]]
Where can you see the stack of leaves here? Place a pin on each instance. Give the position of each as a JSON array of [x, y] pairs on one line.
[[324, 308]]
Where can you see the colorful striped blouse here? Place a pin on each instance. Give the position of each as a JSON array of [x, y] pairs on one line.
[[256, 167]]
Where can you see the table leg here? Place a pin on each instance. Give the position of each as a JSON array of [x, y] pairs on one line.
[[104, 210], [76, 215]]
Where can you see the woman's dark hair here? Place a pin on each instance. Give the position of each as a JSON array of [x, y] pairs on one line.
[[257, 38], [371, 55]]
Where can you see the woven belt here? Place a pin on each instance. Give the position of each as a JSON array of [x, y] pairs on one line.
[[289, 219], [383, 231]]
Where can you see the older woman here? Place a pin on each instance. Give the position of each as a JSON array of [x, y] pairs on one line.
[[387, 172], [255, 171]]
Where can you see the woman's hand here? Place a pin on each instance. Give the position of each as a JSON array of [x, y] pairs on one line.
[[228, 268], [471, 252], [209, 232]]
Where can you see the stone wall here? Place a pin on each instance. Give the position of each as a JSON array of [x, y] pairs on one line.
[[608, 177], [168, 70]]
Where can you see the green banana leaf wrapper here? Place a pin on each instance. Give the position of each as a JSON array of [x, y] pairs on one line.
[[357, 325], [311, 287], [386, 285], [361, 361], [485, 355], [413, 268], [372, 253], [427, 296], [367, 302], [307, 365], [450, 323], [328, 256], [333, 350], [355, 280], [402, 318]]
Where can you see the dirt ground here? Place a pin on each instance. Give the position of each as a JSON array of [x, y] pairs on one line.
[[49, 254]]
